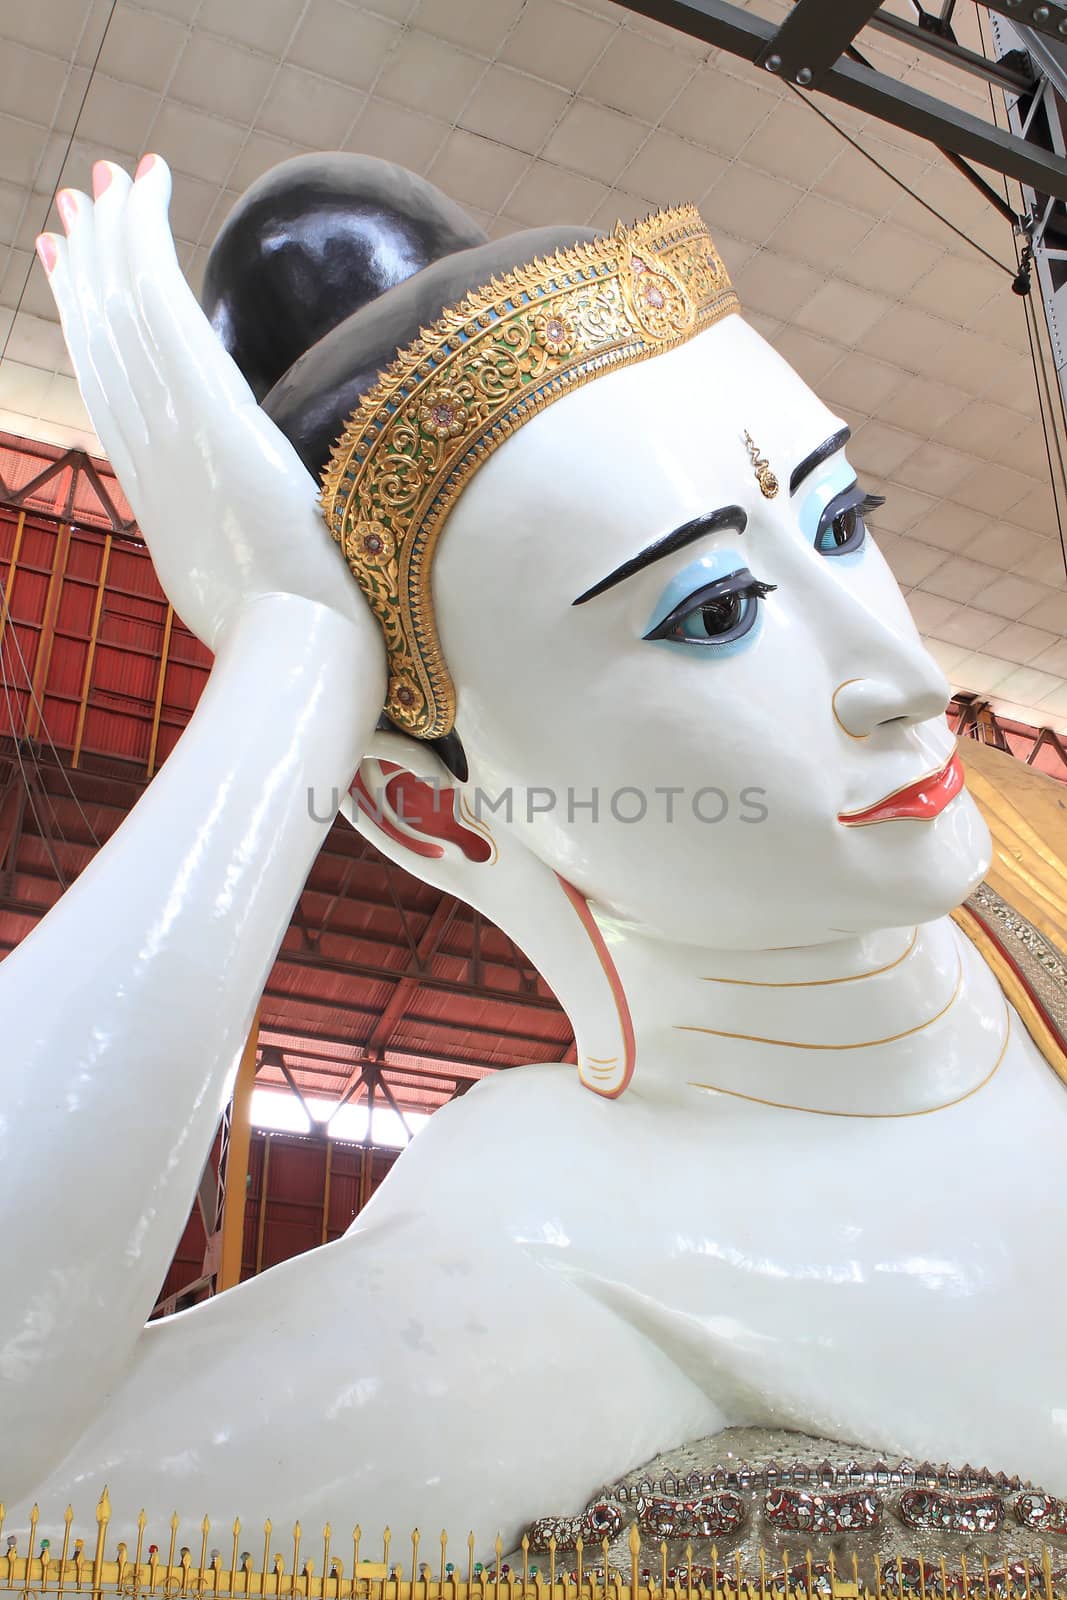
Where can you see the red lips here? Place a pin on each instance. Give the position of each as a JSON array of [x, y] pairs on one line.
[[920, 801]]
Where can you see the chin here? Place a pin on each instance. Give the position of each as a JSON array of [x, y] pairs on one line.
[[924, 870]]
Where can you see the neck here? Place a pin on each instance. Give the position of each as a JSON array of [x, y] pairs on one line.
[[888, 1024]]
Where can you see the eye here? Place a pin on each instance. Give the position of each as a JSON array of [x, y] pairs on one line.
[[842, 528], [716, 614]]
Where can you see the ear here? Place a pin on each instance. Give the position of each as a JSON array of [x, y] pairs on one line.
[[407, 803]]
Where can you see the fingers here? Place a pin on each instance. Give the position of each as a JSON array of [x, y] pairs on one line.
[[189, 352], [54, 253], [110, 396], [118, 304]]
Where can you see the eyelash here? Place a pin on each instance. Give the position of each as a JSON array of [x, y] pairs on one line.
[[707, 602], [720, 606], [851, 503]]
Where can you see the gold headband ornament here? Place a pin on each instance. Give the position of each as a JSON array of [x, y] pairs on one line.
[[468, 383]]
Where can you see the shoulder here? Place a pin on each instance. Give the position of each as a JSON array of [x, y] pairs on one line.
[[495, 1144], [520, 1101]]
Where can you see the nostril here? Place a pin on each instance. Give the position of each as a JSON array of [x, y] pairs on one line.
[[861, 705]]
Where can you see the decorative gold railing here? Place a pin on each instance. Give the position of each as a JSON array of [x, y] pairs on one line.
[[326, 1568]]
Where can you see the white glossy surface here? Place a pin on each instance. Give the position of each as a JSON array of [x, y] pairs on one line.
[[552, 1286]]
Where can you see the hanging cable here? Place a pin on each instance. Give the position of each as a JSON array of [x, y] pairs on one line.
[[11, 634], [4, 609], [1037, 355], [889, 173], [42, 831], [62, 165], [1046, 409]]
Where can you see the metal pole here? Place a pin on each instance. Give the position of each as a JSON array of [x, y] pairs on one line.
[[94, 633], [48, 632], [158, 710], [326, 1192], [9, 584], [261, 1223], [234, 1196]]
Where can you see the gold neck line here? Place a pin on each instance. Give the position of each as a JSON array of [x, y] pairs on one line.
[[822, 983], [863, 1044], [870, 1116]]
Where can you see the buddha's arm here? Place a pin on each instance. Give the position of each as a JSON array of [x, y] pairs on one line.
[[123, 1013]]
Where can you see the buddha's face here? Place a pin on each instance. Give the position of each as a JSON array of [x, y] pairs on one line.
[[626, 612]]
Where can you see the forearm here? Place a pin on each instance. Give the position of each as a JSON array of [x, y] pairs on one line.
[[122, 1015]]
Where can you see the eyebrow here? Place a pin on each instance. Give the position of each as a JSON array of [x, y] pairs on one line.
[[829, 447], [710, 522]]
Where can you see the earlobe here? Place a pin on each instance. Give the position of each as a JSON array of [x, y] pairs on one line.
[[407, 804], [418, 814], [404, 799]]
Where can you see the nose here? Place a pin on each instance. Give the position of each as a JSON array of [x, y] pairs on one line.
[[916, 693]]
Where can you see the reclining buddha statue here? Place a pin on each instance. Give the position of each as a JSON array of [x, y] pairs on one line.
[[543, 564]]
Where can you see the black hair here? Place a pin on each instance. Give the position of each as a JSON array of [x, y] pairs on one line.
[[324, 269]]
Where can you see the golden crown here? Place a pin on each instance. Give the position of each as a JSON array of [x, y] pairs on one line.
[[470, 381]]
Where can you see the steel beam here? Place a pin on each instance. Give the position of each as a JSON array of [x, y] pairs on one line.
[[743, 34], [814, 35], [954, 54], [272, 1056], [79, 464], [1048, 19], [408, 982], [1049, 54], [379, 1082]]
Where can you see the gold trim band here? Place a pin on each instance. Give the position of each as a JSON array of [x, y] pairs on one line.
[[468, 383]]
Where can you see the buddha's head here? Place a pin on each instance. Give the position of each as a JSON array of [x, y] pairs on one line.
[[648, 617]]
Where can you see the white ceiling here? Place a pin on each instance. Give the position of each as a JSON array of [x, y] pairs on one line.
[[536, 111]]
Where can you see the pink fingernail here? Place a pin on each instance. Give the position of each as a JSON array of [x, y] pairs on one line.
[[144, 166], [67, 207], [101, 178], [46, 249]]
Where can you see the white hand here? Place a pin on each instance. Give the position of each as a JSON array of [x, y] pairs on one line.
[[226, 507]]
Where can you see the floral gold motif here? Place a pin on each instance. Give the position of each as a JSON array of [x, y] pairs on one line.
[[470, 381]]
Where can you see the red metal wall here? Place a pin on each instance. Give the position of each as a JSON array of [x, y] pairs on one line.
[[303, 1208], [109, 681]]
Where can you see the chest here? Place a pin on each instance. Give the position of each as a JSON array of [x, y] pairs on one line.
[[823, 1219]]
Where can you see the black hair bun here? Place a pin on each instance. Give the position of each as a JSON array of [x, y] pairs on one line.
[[327, 267], [311, 242]]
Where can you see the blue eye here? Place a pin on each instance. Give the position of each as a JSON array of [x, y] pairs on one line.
[[716, 614], [841, 527]]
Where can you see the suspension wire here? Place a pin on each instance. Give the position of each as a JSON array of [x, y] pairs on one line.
[[9, 632], [1037, 353], [62, 165], [1045, 406], [5, 613], [25, 744], [42, 831], [908, 190]]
